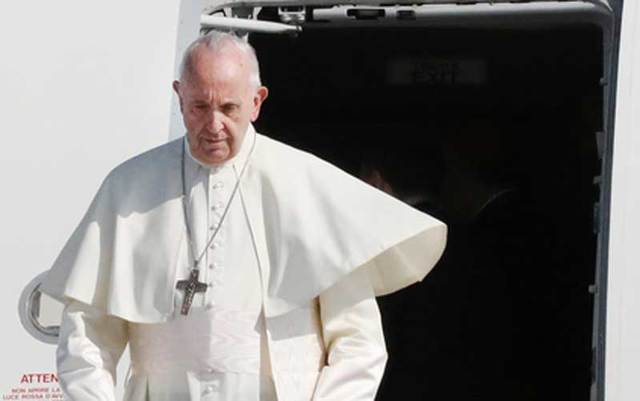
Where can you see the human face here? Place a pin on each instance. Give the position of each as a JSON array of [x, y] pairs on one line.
[[218, 102]]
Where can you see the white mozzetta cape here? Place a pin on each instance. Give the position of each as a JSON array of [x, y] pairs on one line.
[[311, 225]]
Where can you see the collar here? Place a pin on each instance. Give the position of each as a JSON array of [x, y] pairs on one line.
[[236, 161]]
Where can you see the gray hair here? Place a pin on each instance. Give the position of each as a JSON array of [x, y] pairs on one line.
[[216, 40]]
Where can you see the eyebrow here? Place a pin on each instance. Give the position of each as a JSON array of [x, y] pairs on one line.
[[224, 102]]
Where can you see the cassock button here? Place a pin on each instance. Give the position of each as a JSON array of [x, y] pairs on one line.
[[212, 266], [217, 205], [218, 185], [208, 389]]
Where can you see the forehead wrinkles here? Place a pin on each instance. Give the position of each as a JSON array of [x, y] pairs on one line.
[[212, 94]]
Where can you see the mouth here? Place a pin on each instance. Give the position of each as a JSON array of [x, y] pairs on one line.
[[209, 139], [212, 141], [211, 146]]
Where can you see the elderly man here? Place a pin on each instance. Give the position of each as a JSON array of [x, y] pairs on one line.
[[234, 266]]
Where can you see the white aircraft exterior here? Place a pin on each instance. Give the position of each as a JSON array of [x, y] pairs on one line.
[[108, 90]]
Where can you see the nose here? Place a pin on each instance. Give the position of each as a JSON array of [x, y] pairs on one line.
[[214, 123]]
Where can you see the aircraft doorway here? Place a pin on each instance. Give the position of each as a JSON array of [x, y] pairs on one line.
[[494, 131]]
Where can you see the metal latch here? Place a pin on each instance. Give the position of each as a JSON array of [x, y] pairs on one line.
[[292, 15]]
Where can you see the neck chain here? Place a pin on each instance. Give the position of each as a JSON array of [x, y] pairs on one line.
[[186, 198]]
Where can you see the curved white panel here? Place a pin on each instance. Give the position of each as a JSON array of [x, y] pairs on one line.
[[623, 299], [84, 85]]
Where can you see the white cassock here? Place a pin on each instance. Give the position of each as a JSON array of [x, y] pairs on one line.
[[292, 275]]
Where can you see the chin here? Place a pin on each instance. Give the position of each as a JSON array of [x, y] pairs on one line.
[[217, 158]]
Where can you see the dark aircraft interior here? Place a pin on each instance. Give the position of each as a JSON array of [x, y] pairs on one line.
[[492, 130]]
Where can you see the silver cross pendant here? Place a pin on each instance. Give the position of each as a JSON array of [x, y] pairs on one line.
[[190, 288]]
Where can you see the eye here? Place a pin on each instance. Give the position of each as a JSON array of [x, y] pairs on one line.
[[229, 108], [200, 108]]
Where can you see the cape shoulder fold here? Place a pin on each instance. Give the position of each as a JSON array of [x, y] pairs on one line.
[[311, 224], [122, 256], [321, 223]]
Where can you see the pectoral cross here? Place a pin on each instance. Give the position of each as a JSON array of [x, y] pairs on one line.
[[190, 288]]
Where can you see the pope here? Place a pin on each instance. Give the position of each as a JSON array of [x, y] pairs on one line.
[[234, 266]]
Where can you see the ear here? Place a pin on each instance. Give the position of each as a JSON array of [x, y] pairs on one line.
[[259, 97], [176, 89]]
